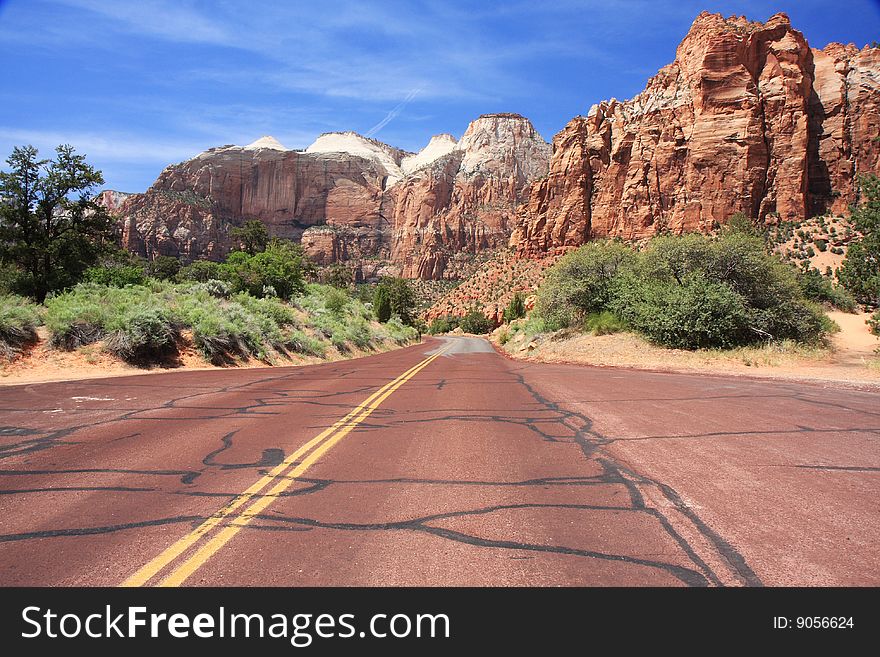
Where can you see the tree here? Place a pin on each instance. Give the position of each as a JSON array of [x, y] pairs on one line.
[[860, 272], [475, 322], [200, 271], [50, 226], [277, 271], [580, 283], [516, 308], [252, 236], [401, 298], [165, 268], [382, 304], [340, 276]]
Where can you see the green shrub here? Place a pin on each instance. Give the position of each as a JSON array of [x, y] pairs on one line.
[[516, 309], [339, 276], [504, 337], [581, 282], [860, 271], [10, 279], [297, 341], [252, 237], [200, 271], [821, 244], [534, 325], [382, 304], [78, 317], [475, 322], [19, 318], [395, 296], [603, 323], [335, 300], [214, 287], [695, 314], [874, 323], [277, 271], [444, 324], [143, 335], [164, 268], [817, 287], [357, 331], [400, 332], [116, 275]]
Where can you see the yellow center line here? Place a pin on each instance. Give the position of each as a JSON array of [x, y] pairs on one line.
[[329, 437]]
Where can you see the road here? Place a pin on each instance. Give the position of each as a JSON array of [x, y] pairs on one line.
[[438, 464]]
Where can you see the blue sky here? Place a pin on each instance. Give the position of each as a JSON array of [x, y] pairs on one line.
[[138, 85]]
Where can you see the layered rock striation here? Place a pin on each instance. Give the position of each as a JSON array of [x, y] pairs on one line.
[[748, 118], [346, 198]]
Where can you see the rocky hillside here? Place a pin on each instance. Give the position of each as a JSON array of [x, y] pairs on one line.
[[347, 198], [748, 118], [491, 287]]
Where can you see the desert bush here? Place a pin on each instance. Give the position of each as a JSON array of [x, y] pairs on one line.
[[116, 275], [516, 309], [475, 322], [443, 324], [213, 287], [297, 341], [144, 323], [19, 318], [604, 323], [335, 300], [357, 331], [817, 287], [400, 332], [143, 335], [580, 283]]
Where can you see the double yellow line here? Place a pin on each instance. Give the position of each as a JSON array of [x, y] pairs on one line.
[[287, 471]]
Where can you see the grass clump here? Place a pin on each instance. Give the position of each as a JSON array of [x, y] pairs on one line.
[[19, 318]]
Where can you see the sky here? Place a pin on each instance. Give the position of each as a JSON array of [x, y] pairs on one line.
[[138, 85]]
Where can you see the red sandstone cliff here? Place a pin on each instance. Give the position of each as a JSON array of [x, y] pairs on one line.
[[746, 119], [347, 198]]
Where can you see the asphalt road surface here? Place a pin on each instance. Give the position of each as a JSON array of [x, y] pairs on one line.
[[439, 464]]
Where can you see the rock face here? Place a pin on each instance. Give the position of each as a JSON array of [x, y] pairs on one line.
[[465, 200], [191, 207], [746, 119], [346, 197]]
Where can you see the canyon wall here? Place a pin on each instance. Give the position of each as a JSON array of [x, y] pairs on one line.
[[748, 118], [346, 198]]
